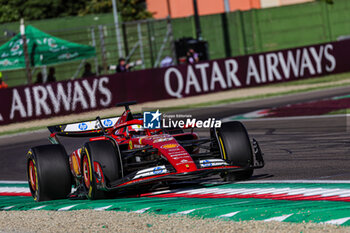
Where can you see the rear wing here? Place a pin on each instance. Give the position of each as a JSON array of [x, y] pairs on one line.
[[83, 129]]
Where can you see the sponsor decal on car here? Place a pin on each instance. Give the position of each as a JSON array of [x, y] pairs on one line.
[[212, 163], [82, 126], [206, 163], [178, 152], [138, 146], [89, 125], [178, 155], [151, 172], [157, 170], [169, 146], [163, 139], [108, 122], [158, 136], [184, 161], [74, 162]]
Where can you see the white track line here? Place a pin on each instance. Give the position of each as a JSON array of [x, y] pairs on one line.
[[160, 192], [103, 208], [338, 221], [279, 218], [13, 182], [38, 207], [141, 210], [306, 192], [67, 208], [229, 214], [185, 212], [14, 190]]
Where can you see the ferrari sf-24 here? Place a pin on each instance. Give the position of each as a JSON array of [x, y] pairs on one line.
[[120, 155]]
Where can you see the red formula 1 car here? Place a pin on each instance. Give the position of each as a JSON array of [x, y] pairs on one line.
[[120, 155]]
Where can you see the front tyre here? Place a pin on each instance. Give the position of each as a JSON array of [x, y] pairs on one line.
[[48, 172], [235, 149]]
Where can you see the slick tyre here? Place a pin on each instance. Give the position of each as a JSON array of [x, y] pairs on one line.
[[48, 172], [236, 149], [104, 154]]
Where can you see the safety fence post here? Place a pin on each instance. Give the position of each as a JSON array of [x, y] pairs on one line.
[[117, 31], [258, 47], [150, 42], [25, 50], [139, 33], [125, 39], [326, 21], [171, 38], [103, 49], [226, 34], [242, 26], [93, 42]]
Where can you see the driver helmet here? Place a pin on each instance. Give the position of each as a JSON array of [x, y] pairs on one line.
[[135, 130]]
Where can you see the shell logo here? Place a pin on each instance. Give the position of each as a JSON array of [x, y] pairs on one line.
[[76, 167], [169, 146], [74, 161]]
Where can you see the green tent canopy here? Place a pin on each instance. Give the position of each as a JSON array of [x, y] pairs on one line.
[[43, 49]]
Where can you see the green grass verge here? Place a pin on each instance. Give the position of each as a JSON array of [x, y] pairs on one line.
[[316, 80], [340, 111], [22, 130], [325, 79]]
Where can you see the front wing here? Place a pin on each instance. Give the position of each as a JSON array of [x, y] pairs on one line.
[[164, 173]]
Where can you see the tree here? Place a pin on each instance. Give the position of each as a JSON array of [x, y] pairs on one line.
[[97, 6], [14, 10], [8, 13], [134, 10], [129, 9]]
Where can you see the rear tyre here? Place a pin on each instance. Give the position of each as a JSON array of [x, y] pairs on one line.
[[48, 172], [236, 149], [104, 154]]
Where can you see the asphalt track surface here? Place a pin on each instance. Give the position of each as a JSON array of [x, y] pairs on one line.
[[310, 148]]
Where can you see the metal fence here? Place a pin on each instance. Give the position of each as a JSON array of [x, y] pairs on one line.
[[144, 44]]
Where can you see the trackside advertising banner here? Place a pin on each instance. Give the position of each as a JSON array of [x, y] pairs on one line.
[[43, 101]]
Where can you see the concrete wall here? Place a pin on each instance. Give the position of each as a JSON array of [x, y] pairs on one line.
[[184, 8]]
